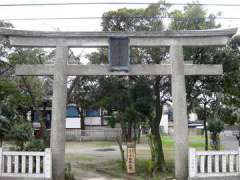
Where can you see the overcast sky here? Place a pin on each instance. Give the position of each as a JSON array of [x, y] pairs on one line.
[[92, 11]]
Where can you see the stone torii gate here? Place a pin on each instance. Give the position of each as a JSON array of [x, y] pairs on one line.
[[60, 70]]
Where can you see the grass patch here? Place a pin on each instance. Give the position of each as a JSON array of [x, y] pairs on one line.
[[113, 169], [194, 141], [168, 142]]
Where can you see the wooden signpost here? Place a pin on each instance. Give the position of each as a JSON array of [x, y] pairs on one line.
[[131, 158]]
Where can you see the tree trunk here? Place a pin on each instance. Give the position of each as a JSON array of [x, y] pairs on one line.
[[102, 118], [205, 127], [123, 127], [151, 145], [138, 135], [159, 164], [43, 120], [70, 89], [129, 133], [82, 119], [119, 141]]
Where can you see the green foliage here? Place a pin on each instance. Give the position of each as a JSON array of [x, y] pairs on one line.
[[215, 126], [34, 145], [120, 20], [8, 98], [6, 88], [231, 84], [82, 93], [130, 115], [21, 132], [112, 93], [19, 94], [46, 138], [150, 167], [27, 56], [68, 172], [135, 101], [141, 96], [192, 17], [111, 121], [4, 127], [203, 91]]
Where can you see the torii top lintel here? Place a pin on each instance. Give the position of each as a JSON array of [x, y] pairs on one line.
[[214, 37]]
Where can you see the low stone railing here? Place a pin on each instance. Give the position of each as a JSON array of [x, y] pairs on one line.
[[213, 163], [25, 164]]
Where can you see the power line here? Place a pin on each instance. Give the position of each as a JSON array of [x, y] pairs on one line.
[[117, 3], [130, 17]]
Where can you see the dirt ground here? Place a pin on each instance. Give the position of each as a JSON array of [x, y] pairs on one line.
[[86, 158], [102, 161]]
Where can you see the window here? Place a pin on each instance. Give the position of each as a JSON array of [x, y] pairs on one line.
[[35, 116]]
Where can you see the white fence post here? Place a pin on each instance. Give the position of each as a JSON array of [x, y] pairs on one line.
[[192, 162], [224, 163], [216, 163], [48, 163], [1, 161], [16, 164], [23, 164], [210, 163], [29, 166]]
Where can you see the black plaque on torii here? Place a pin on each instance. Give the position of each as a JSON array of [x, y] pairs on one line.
[[119, 53]]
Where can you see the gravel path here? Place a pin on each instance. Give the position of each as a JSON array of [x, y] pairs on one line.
[[228, 141]]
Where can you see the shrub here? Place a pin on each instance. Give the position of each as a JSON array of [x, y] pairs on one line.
[[46, 137], [111, 121], [215, 127], [21, 132], [34, 145]]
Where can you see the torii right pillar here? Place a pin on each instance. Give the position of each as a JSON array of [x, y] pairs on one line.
[[179, 70]]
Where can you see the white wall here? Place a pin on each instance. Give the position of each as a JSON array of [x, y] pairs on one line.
[[73, 123], [164, 120], [164, 123], [93, 121]]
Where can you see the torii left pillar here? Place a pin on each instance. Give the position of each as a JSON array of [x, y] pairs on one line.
[[59, 111], [179, 112]]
